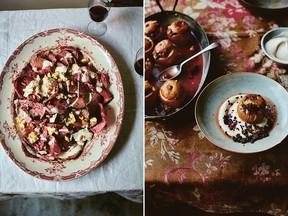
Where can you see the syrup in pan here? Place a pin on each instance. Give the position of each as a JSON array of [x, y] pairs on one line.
[[190, 77]]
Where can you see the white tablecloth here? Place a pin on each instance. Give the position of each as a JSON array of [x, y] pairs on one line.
[[121, 171]]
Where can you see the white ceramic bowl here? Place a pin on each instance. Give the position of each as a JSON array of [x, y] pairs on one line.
[[266, 4], [215, 93], [267, 37]]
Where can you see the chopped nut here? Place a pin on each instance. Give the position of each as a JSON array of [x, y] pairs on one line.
[[67, 138], [96, 76], [22, 124], [71, 95], [18, 119], [43, 122], [71, 119], [84, 122], [52, 130], [93, 121], [85, 60], [55, 75], [60, 96], [32, 137]]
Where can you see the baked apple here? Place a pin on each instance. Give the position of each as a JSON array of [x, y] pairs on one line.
[[251, 108], [165, 53], [178, 32], [172, 94], [154, 30]]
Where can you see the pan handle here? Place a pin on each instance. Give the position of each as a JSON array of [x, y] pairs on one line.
[[161, 8]]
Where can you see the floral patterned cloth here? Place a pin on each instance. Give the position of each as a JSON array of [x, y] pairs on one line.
[[181, 162]]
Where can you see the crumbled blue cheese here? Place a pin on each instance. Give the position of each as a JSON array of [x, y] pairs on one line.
[[53, 118], [32, 86], [61, 71], [99, 89], [47, 63], [99, 86], [85, 75], [68, 55], [92, 74], [54, 110], [28, 89], [22, 114], [42, 137], [82, 135], [88, 72], [75, 69]]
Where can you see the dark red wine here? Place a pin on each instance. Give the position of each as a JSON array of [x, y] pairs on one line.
[[139, 66], [98, 13]]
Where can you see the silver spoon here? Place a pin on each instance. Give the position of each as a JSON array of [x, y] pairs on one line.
[[173, 71]]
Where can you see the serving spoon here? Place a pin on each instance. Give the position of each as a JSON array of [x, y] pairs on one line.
[[173, 71]]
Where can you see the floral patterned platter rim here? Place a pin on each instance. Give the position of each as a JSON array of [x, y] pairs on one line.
[[95, 151], [219, 90]]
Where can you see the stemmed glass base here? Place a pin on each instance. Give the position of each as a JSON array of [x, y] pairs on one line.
[[97, 29], [138, 62]]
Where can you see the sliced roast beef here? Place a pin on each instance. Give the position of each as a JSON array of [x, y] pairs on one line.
[[72, 50], [60, 103], [37, 62], [20, 84], [96, 129], [52, 57], [107, 96]]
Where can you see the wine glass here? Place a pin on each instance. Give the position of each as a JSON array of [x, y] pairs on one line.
[[138, 62], [98, 11]]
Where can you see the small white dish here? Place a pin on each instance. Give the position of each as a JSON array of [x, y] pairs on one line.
[[215, 93], [274, 40]]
